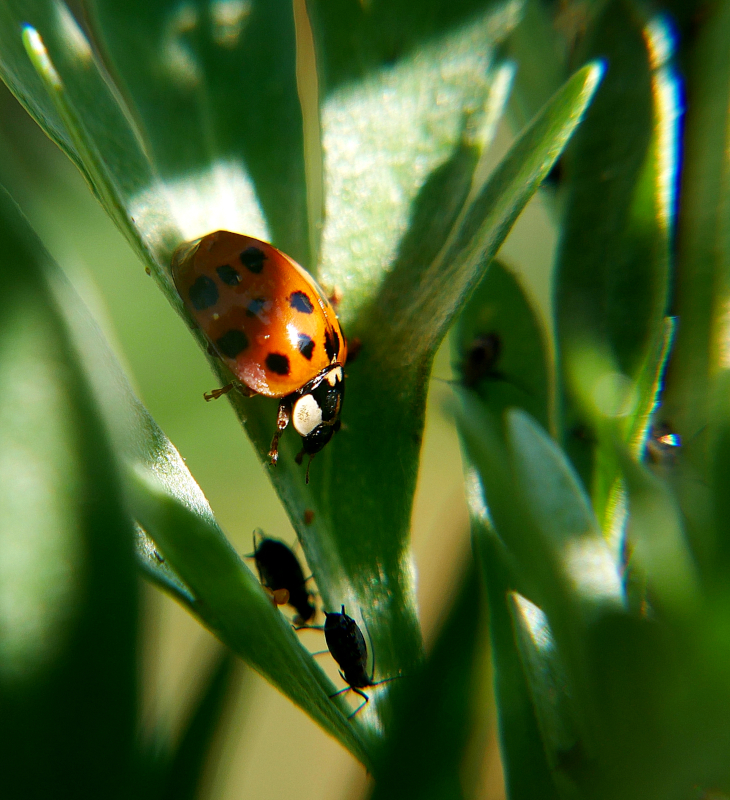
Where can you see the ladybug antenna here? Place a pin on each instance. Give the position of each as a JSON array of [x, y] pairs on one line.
[[306, 477]]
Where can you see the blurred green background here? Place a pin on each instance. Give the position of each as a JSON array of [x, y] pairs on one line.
[[269, 749]]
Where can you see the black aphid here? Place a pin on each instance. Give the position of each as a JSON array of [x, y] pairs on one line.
[[480, 360], [279, 569], [347, 646]]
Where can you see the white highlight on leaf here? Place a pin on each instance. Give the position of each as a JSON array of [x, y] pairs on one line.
[[535, 623], [229, 17], [383, 136], [475, 497], [591, 569], [219, 197], [73, 36], [177, 58], [661, 42], [34, 43]]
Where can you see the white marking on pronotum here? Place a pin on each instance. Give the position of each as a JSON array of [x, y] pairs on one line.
[[334, 375], [306, 415]]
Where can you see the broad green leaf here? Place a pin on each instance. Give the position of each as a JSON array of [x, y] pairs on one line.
[[663, 704], [354, 39], [519, 375], [719, 547], [68, 595], [157, 570], [418, 319], [520, 737], [613, 265], [21, 77], [386, 138], [214, 87], [439, 709]]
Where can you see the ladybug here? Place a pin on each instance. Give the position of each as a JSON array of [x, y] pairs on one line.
[[272, 326]]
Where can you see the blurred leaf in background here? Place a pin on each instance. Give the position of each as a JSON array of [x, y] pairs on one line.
[[68, 586]]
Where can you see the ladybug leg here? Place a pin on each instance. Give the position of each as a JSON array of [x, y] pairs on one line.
[[216, 393], [298, 458], [282, 420]]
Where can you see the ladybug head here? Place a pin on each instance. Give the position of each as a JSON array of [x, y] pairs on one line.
[[316, 410]]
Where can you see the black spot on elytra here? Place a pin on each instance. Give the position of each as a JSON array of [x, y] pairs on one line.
[[306, 346], [300, 302], [253, 259], [255, 306], [278, 363], [228, 275], [337, 343], [232, 343], [329, 345], [203, 293]]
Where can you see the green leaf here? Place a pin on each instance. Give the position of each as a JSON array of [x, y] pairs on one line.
[[696, 394], [416, 320], [436, 708], [613, 266], [194, 751], [546, 679], [519, 375], [703, 262], [561, 512], [542, 515], [520, 738], [67, 587], [385, 139], [214, 87], [658, 544], [536, 46], [86, 119], [231, 602], [355, 39]]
